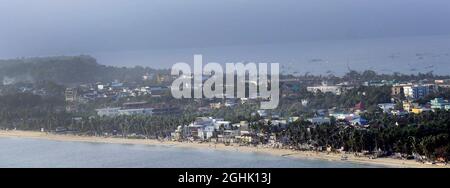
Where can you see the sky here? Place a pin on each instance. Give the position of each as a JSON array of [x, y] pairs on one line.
[[67, 27]]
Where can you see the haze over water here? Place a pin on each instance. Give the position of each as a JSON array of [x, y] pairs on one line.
[[308, 36]]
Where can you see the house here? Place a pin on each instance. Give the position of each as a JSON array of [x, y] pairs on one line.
[[206, 132], [399, 112], [408, 106], [319, 120], [359, 122], [386, 107], [218, 124], [293, 119], [419, 110]]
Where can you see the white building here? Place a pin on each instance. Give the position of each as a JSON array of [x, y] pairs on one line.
[[136, 111], [206, 132], [344, 116], [387, 107], [319, 120], [324, 88], [108, 112]]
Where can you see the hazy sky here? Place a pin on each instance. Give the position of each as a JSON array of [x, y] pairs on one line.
[[54, 27]]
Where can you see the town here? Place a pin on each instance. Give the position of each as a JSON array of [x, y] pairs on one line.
[[362, 113]]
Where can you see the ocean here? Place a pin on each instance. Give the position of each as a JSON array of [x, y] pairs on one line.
[[37, 153], [407, 55]]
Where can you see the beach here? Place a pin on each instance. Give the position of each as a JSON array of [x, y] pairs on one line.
[[387, 162]]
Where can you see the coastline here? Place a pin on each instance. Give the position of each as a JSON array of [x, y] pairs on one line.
[[387, 162]]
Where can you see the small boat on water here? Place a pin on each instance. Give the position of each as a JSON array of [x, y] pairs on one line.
[[344, 157]]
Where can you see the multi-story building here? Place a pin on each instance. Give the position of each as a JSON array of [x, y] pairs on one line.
[[70, 94], [416, 91], [397, 90], [440, 103]]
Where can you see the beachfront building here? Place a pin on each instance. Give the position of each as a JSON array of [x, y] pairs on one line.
[[206, 132]]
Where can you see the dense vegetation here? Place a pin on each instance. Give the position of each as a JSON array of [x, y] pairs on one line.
[[426, 134]]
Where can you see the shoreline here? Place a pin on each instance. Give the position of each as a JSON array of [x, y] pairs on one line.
[[386, 162]]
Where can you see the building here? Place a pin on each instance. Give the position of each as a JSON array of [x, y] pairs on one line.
[[320, 120], [408, 106], [262, 113], [108, 112], [136, 111], [397, 90], [337, 90], [419, 110], [202, 128], [440, 103], [386, 107], [70, 94], [416, 91], [206, 132], [359, 122], [111, 112], [217, 105], [344, 116]]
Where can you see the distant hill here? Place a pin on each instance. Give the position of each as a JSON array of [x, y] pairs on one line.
[[66, 70]]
